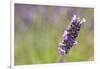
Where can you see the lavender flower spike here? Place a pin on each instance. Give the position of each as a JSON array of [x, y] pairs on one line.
[[70, 34]]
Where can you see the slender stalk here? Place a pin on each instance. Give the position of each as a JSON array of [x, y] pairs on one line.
[[62, 59]]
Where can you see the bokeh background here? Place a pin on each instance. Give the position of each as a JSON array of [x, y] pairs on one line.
[[39, 29]]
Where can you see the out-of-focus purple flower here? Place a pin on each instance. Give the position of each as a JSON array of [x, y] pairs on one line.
[[70, 34]]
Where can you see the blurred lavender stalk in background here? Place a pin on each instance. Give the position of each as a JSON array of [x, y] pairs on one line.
[[69, 36]]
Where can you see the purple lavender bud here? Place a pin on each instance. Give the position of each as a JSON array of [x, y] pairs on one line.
[[82, 21], [75, 43], [61, 50], [65, 35], [74, 18]]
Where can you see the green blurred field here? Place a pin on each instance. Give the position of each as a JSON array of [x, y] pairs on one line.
[[39, 29]]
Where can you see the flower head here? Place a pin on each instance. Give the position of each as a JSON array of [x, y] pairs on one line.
[[69, 36]]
